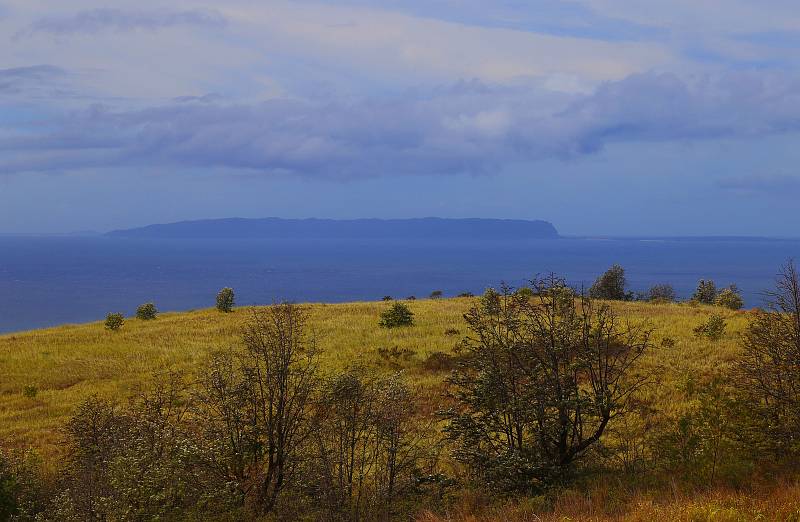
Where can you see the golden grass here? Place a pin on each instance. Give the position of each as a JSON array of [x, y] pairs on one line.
[[68, 363]]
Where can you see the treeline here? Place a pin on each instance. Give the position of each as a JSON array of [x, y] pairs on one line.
[[548, 388]]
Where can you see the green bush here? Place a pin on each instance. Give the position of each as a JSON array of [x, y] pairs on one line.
[[114, 321], [713, 329], [610, 286], [225, 300], [398, 314], [661, 294], [706, 292], [524, 292], [730, 298], [146, 312], [30, 391], [437, 294]]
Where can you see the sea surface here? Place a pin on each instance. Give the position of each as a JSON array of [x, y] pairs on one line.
[[54, 280]]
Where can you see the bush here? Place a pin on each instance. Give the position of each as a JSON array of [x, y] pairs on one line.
[[524, 292], [713, 329], [663, 293], [706, 292], [398, 314], [387, 298], [610, 286], [146, 312], [730, 298], [225, 300], [466, 294], [30, 391], [114, 321], [437, 294]]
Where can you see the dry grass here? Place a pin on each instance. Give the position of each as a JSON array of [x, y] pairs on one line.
[[69, 363]]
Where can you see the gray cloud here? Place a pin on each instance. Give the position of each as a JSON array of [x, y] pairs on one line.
[[112, 19], [785, 184], [467, 127], [33, 81]]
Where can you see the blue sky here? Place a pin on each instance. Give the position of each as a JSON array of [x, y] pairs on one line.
[[619, 117]]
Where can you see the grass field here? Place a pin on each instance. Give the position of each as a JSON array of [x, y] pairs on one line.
[[44, 374]]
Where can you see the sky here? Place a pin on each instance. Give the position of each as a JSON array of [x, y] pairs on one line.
[[605, 117]]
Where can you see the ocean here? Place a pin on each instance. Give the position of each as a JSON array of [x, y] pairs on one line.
[[49, 280]]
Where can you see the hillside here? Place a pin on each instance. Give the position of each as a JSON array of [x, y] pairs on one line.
[[423, 228], [47, 373]]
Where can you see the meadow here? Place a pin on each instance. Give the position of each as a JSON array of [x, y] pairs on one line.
[[47, 373]]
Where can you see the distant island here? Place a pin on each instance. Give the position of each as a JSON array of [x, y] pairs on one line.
[[421, 228]]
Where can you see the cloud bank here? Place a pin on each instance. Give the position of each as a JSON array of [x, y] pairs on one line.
[[467, 127]]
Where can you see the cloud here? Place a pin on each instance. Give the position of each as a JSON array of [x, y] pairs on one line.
[[112, 19], [773, 184], [36, 81], [467, 127]]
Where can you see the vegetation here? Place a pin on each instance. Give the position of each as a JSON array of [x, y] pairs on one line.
[[146, 312], [713, 328], [114, 321], [549, 406], [662, 293], [729, 298], [225, 300], [397, 315], [610, 285], [706, 292]]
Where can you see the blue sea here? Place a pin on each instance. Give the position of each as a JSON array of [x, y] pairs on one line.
[[54, 280]]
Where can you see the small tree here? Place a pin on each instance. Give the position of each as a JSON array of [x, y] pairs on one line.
[[730, 298], [662, 293], [437, 294], [114, 321], [225, 300], [610, 286], [769, 371], [706, 292], [398, 314], [713, 329], [539, 384], [146, 312]]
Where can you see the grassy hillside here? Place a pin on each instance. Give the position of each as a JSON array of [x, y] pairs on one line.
[[68, 363]]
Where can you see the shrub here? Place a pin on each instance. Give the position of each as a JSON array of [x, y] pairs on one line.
[[730, 298], [713, 329], [411, 298], [440, 362], [395, 354], [539, 383], [662, 293], [451, 331], [387, 298], [706, 292], [30, 391], [524, 292], [146, 312], [225, 300], [114, 321], [437, 294], [398, 314], [466, 294], [610, 286]]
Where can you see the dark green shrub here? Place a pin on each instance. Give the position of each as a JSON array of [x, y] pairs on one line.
[[437, 294], [114, 321], [713, 329], [398, 314], [524, 292], [30, 391], [730, 298], [451, 331], [146, 312], [466, 294], [662, 293], [706, 292], [610, 286], [411, 298], [387, 298], [225, 300]]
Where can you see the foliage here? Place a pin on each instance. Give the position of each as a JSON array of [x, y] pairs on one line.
[[769, 371], [226, 300], [662, 293], [706, 292], [729, 298], [539, 384], [114, 321], [399, 314], [146, 312], [713, 328], [610, 285], [437, 294]]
